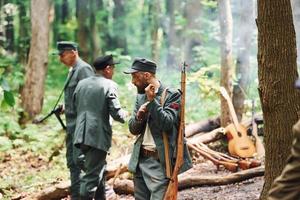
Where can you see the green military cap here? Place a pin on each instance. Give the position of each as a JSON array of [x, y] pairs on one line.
[[65, 46], [143, 65]]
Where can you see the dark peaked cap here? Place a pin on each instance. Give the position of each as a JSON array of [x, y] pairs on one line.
[[66, 45], [143, 65], [103, 61]]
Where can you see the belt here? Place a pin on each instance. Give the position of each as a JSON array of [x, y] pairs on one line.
[[148, 153]]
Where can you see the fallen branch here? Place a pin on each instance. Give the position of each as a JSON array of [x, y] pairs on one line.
[[202, 126]]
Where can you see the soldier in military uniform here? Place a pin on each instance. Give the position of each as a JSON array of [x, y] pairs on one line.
[[95, 99], [149, 120], [287, 185], [78, 70]]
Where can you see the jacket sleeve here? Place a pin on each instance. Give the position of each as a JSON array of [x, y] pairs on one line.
[[115, 110], [167, 115], [136, 127]]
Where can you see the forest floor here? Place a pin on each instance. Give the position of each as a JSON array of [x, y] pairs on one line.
[[23, 174]]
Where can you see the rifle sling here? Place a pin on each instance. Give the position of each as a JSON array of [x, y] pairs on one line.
[[165, 140]]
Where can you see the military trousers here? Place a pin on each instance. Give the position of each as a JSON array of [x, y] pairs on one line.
[[150, 181], [92, 183], [287, 185], [73, 155]]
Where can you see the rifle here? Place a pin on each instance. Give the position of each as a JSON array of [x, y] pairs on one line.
[[55, 111], [172, 190]]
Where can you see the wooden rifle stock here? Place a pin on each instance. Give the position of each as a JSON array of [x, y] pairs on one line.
[[172, 189]]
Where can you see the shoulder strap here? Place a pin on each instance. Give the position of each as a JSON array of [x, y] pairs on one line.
[[163, 97]]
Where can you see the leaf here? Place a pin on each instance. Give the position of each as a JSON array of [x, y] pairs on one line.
[[9, 98], [4, 85]]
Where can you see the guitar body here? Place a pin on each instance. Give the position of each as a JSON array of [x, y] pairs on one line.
[[239, 143]]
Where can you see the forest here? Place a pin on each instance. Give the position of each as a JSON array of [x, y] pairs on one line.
[[248, 49]]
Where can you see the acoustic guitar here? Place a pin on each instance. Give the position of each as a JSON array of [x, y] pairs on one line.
[[239, 143]]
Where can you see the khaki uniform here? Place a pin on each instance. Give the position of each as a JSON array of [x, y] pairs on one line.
[[95, 100], [287, 185], [80, 71], [150, 181]]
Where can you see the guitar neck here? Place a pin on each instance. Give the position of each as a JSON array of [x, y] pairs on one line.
[[230, 105]]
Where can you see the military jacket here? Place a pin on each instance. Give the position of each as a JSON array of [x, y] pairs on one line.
[[287, 185], [80, 70], [162, 118], [95, 99]]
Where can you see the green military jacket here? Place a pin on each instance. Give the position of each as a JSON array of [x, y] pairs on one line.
[[162, 118], [287, 185], [95, 99], [80, 70]]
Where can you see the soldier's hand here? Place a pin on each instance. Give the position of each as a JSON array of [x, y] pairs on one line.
[[142, 112], [60, 109], [150, 92]]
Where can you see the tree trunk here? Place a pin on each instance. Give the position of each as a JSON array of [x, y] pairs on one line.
[[225, 19], [33, 91], [119, 26], [24, 36], [9, 30], [193, 10], [83, 36], [171, 34], [94, 29], [277, 72], [243, 70], [154, 11]]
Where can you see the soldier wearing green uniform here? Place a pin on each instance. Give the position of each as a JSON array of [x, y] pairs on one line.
[[78, 70], [287, 185], [150, 119], [96, 99]]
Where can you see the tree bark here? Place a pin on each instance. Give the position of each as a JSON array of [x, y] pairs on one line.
[[277, 72], [243, 69], [119, 26], [83, 36], [225, 19], [154, 11], [33, 91]]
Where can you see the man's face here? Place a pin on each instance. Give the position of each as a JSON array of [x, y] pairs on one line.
[[140, 81], [109, 71], [67, 57]]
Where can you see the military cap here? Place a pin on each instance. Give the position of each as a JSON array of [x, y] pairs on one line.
[[66, 45], [103, 61], [143, 65]]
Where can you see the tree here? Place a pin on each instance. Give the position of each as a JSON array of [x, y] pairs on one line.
[[225, 19], [33, 91], [119, 26], [277, 72], [245, 27], [154, 11]]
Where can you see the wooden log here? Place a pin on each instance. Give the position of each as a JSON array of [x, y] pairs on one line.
[[207, 137], [188, 180], [114, 166], [202, 126], [57, 191], [192, 180]]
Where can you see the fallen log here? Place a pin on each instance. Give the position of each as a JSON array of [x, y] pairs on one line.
[[187, 180], [205, 138], [57, 191], [202, 126]]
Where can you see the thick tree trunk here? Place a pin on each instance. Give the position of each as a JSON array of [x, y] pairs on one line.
[[33, 91], [243, 70], [277, 73], [95, 39], [225, 19]]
